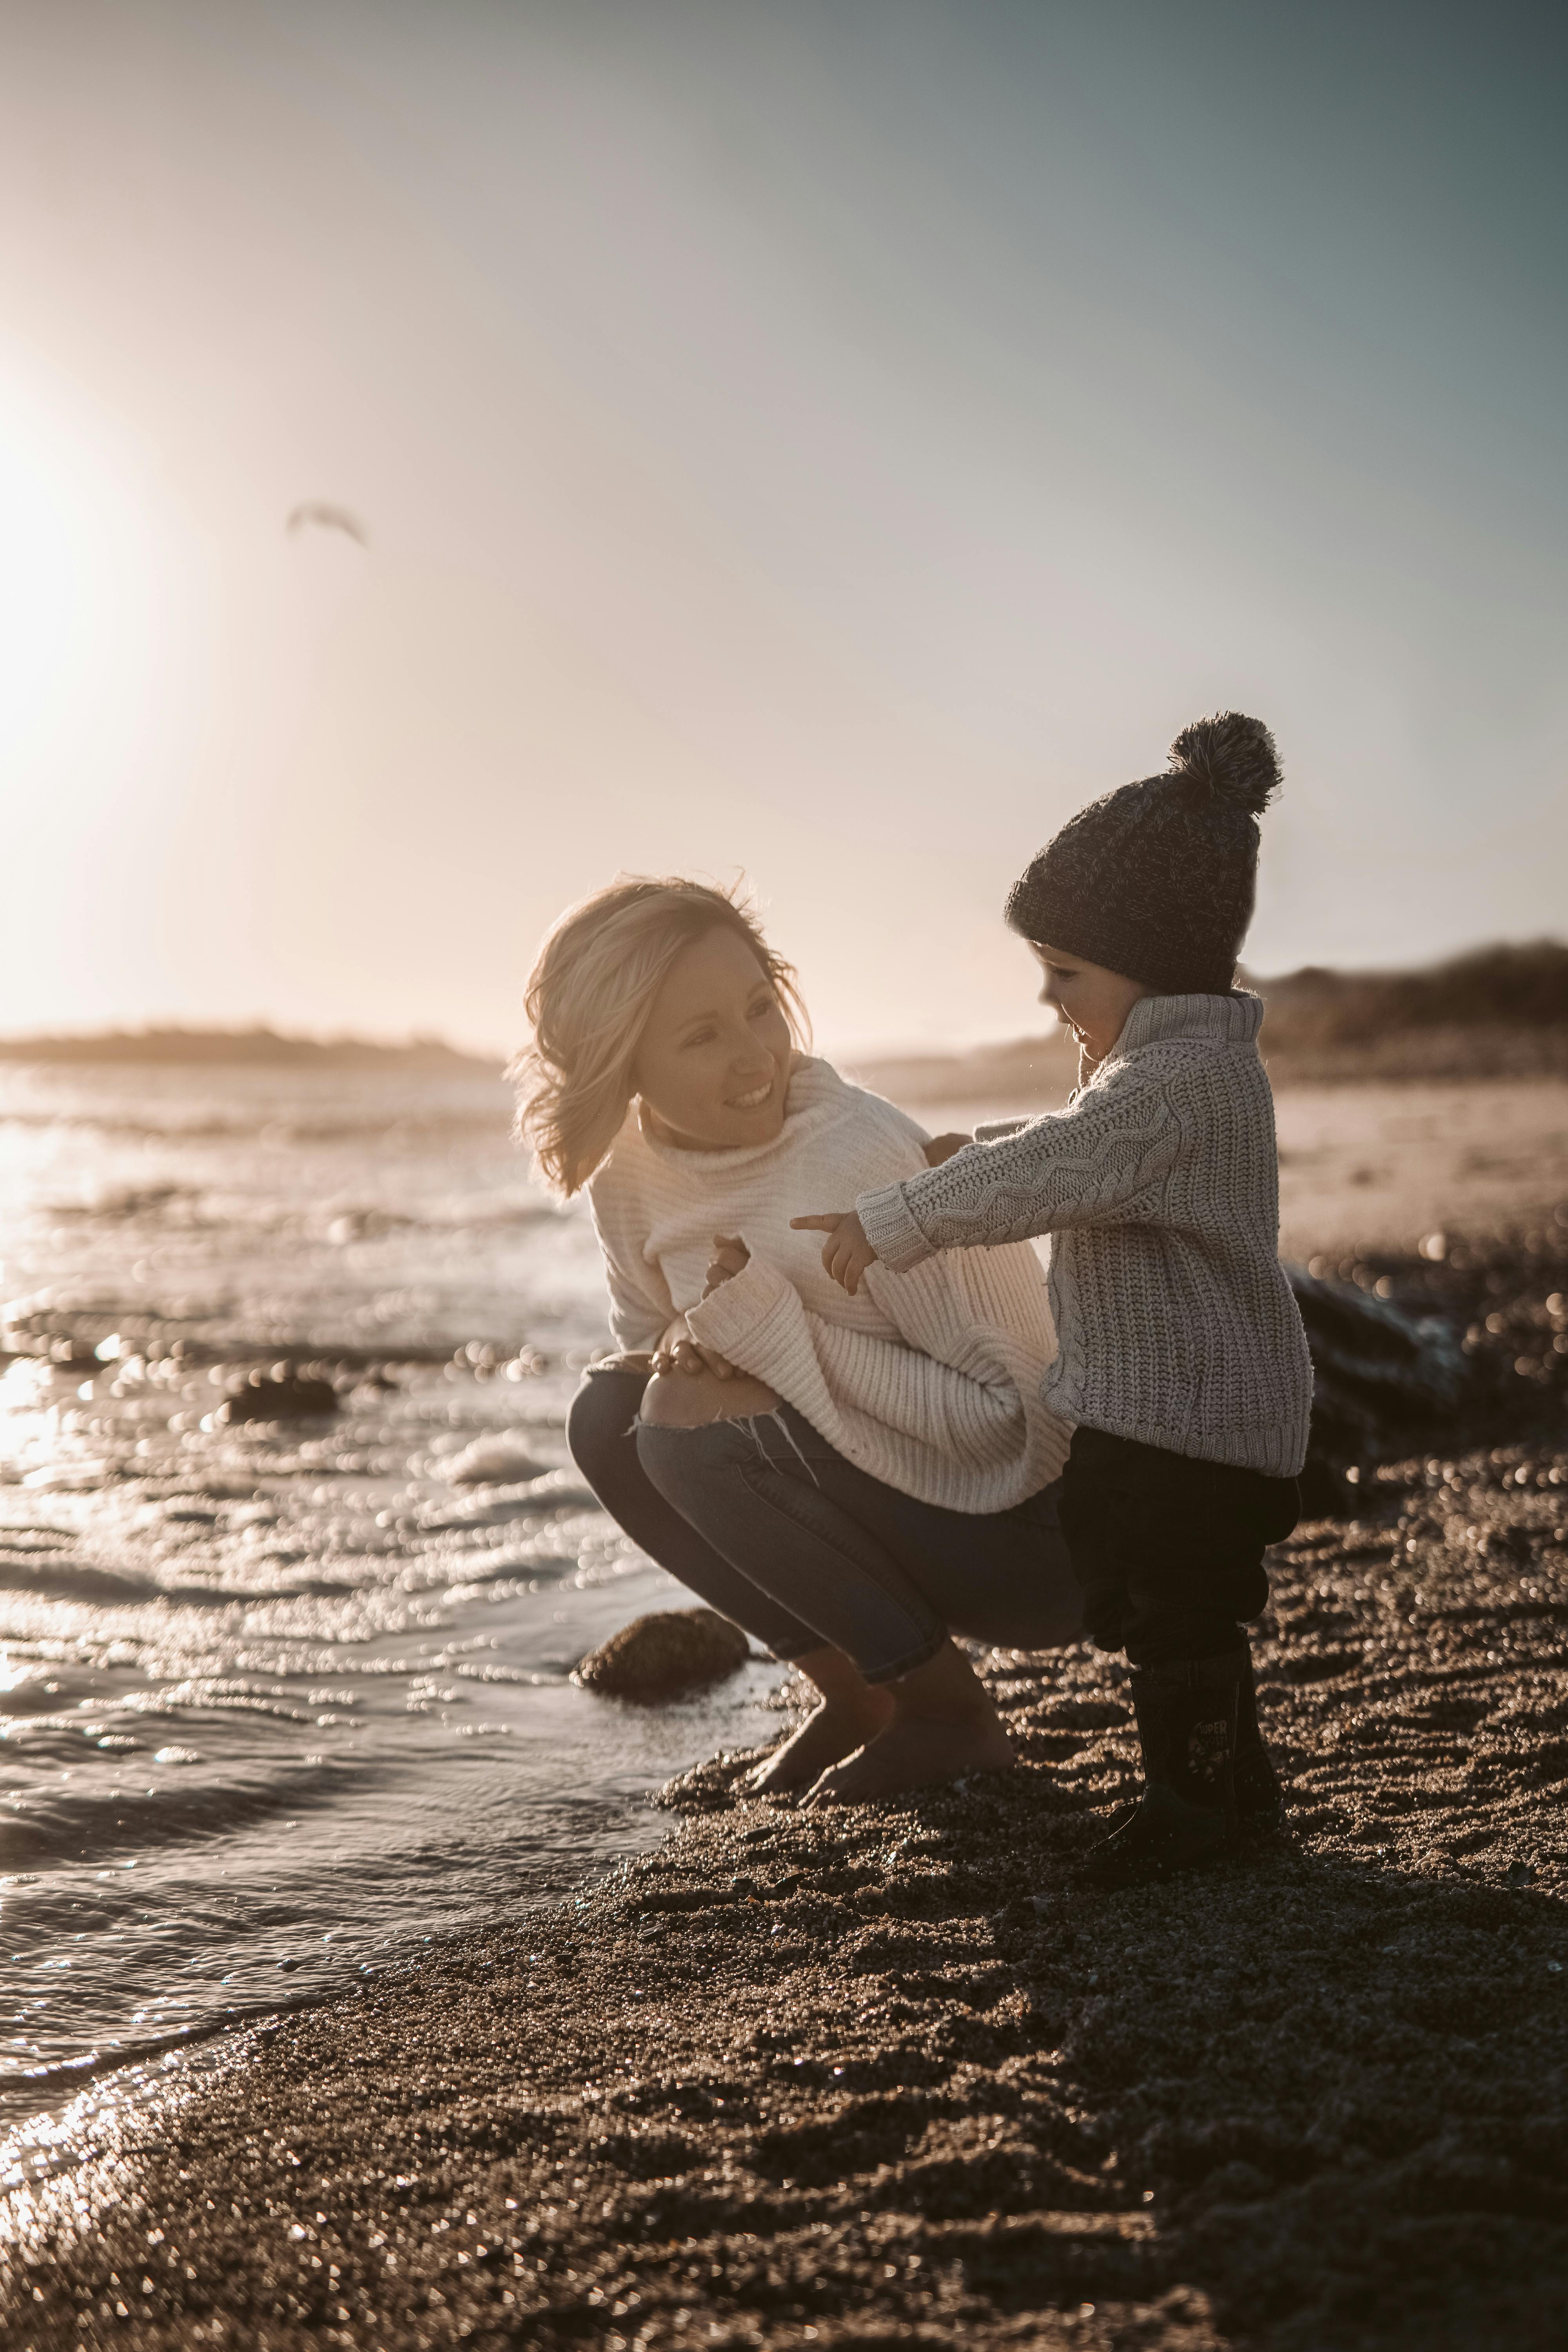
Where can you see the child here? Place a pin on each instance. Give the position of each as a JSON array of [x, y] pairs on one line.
[[1182, 1359]]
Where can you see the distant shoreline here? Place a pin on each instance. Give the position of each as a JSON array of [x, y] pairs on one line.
[[265, 1048], [1039, 1072], [1027, 1073], [1499, 1012]]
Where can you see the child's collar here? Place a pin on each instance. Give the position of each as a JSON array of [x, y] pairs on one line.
[[1231, 1020]]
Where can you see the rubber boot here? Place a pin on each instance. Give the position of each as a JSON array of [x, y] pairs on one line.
[[1186, 1713], [1260, 1798]]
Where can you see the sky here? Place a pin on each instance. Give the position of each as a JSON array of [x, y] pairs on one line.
[[829, 440]]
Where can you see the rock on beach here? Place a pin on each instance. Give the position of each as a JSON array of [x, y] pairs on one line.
[[498, 1461], [670, 1650], [278, 1395]]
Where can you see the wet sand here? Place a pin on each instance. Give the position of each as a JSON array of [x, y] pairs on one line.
[[890, 2076]]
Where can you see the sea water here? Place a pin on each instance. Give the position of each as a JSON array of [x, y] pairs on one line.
[[280, 1702]]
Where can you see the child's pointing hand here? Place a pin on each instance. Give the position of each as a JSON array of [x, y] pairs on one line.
[[846, 1253]]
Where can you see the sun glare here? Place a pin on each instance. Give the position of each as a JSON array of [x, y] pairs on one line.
[[99, 613], [52, 583]]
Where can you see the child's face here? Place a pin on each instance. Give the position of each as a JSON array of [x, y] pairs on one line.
[[1092, 1001]]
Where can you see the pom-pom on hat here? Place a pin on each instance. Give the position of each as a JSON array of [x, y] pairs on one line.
[[1157, 879]]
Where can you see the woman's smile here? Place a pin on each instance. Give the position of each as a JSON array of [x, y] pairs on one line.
[[714, 1059]]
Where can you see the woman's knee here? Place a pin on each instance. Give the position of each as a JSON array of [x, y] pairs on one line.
[[683, 1463], [601, 1418], [695, 1399]]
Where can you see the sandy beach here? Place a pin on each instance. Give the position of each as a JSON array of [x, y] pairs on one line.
[[893, 2076]]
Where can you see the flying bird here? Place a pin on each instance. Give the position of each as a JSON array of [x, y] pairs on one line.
[[327, 517]]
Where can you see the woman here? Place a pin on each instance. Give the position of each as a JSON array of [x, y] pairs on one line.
[[854, 1480]]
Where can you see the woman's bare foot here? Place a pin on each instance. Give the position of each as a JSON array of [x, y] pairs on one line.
[[911, 1755], [830, 1732], [944, 1726], [852, 1711]]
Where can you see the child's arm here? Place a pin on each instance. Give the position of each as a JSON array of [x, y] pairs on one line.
[[1102, 1161], [846, 1254]]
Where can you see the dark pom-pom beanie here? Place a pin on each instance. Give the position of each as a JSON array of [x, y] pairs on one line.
[[1157, 879]]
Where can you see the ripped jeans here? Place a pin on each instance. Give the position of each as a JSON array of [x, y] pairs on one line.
[[769, 1525]]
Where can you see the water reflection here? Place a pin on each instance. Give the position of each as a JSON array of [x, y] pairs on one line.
[[279, 1700]]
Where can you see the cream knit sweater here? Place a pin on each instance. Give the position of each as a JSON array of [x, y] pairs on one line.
[[931, 1380], [1159, 1186]]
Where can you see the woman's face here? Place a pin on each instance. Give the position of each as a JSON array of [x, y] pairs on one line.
[[714, 1061]]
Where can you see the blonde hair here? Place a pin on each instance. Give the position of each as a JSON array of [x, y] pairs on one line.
[[588, 999]]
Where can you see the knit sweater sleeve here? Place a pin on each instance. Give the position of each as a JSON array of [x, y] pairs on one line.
[[944, 1384], [1102, 1161], [641, 1308]]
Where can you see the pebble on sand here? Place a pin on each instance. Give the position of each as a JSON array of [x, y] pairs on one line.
[[669, 1650], [280, 1396]]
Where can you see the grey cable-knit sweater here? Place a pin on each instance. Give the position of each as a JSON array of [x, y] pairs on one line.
[[1159, 1184]]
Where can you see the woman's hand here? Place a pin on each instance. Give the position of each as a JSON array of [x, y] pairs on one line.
[[730, 1257], [846, 1253], [942, 1146], [680, 1351]]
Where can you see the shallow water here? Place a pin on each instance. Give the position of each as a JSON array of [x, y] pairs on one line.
[[278, 1702]]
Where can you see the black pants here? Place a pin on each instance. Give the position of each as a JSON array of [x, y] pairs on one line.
[[1169, 1550], [769, 1526]]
